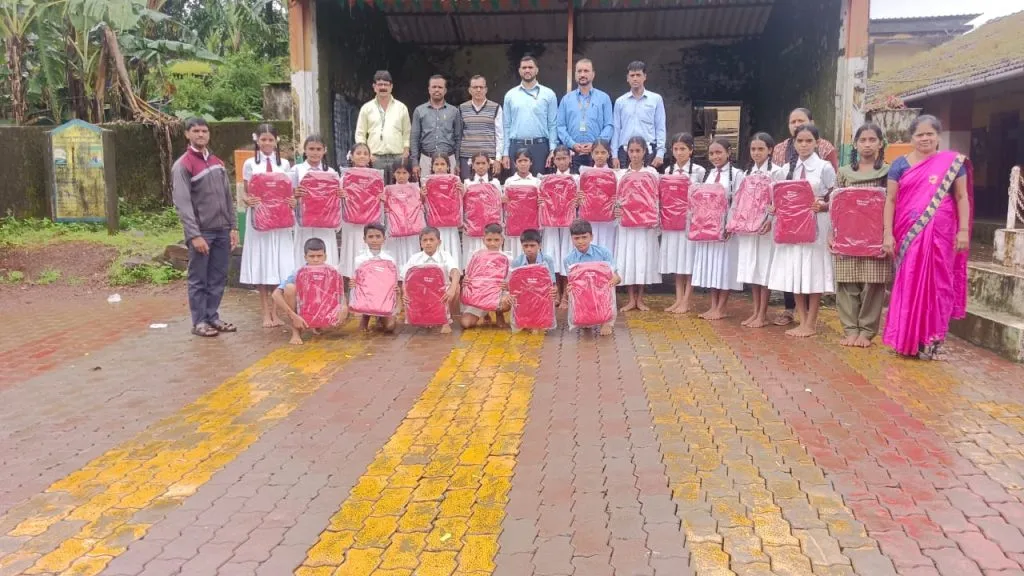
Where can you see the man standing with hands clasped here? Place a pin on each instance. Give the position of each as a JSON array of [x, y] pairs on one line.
[[383, 125], [482, 128], [436, 129], [202, 197], [530, 112], [639, 112], [584, 116]]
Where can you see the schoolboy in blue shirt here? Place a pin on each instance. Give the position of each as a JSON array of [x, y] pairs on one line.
[[582, 237]]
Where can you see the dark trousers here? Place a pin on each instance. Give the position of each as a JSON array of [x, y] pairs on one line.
[[790, 300], [624, 157], [207, 276], [537, 149], [580, 160], [387, 162]]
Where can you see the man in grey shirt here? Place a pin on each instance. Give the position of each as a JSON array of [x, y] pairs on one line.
[[436, 129]]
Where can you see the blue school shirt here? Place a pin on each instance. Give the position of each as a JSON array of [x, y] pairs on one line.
[[289, 280], [542, 258], [594, 253]]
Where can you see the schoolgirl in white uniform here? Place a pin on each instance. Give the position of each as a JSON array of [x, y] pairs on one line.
[[677, 252], [481, 175], [557, 241], [352, 242], [522, 177], [604, 232], [754, 257], [268, 257], [401, 248], [714, 263], [313, 149], [636, 249]]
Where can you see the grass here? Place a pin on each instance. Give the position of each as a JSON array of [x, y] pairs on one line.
[[12, 277], [48, 277]]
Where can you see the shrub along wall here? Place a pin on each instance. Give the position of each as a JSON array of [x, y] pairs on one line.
[[23, 170]]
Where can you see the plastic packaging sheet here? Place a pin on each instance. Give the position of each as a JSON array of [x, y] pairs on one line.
[[444, 200], [600, 188], [522, 211], [425, 286], [750, 205], [709, 206], [674, 195], [533, 308], [591, 297], [320, 206], [795, 221], [318, 290], [273, 212], [405, 210], [638, 195], [363, 188], [857, 221], [374, 290], [558, 200], [486, 272], [482, 203]]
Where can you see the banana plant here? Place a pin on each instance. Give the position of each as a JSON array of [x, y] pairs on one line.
[[17, 17]]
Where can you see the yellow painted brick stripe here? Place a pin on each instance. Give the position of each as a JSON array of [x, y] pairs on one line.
[[164, 465], [433, 500]]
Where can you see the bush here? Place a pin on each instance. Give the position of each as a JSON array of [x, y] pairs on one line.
[[234, 90]]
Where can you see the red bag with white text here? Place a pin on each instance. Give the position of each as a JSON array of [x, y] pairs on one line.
[[482, 204], [318, 291], [320, 206], [481, 287], [750, 205], [709, 206], [558, 200], [857, 221], [375, 286], [274, 190], [425, 287], [533, 308], [522, 211], [405, 210], [674, 196], [591, 298], [363, 188], [795, 221], [600, 188], [638, 195], [444, 201]]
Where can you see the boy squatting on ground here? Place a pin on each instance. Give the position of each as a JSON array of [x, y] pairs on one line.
[[373, 236], [285, 295], [431, 252], [585, 251], [471, 316]]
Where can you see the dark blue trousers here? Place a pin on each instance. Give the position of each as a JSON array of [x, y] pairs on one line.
[[208, 275]]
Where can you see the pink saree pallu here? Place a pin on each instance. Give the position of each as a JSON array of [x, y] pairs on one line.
[[795, 219], [533, 308], [405, 210], [318, 290], [363, 188], [930, 286], [638, 197], [557, 200], [375, 288], [709, 207], [750, 205], [857, 221], [599, 187], [482, 204], [444, 200], [425, 286], [674, 200], [522, 211], [273, 212], [320, 207]]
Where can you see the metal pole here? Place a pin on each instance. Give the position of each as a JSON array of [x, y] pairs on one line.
[[569, 48]]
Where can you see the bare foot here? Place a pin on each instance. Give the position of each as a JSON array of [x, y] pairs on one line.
[[606, 330], [704, 315], [684, 308], [677, 310], [268, 322], [672, 308], [848, 340], [757, 323], [643, 307], [714, 315], [801, 332], [749, 320], [862, 342], [500, 322], [446, 329], [275, 322], [629, 306], [296, 338], [389, 324]]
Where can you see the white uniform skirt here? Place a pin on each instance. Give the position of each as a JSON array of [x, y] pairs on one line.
[[557, 243], [470, 245], [267, 257], [605, 234], [636, 256], [714, 265], [328, 235], [804, 268], [677, 253], [352, 244], [402, 248], [451, 243], [754, 259]]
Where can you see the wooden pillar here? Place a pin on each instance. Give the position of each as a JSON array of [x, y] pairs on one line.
[[852, 72], [305, 65]]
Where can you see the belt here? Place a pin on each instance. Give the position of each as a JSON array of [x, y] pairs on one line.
[[530, 141], [432, 152]]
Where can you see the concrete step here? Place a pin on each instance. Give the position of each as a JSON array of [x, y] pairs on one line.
[[997, 331], [997, 288]]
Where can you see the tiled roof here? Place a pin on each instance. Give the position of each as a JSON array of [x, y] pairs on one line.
[[992, 51]]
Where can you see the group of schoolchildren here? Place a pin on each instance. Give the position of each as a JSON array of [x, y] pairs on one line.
[[638, 256]]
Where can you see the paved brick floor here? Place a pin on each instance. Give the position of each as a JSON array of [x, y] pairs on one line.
[[676, 447]]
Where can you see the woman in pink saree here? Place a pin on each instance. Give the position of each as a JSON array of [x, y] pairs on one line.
[[928, 214]]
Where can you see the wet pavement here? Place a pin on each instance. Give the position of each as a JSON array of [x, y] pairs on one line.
[[675, 447]]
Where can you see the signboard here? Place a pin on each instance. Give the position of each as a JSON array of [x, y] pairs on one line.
[[82, 174]]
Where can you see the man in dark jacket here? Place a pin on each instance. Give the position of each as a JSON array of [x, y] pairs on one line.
[[202, 197]]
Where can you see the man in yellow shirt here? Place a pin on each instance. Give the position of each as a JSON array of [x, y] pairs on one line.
[[384, 126]]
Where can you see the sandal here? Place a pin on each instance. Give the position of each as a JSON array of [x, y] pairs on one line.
[[222, 326], [205, 330], [784, 318]]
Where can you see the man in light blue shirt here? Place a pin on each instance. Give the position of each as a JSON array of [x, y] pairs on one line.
[[584, 116], [639, 112], [530, 111]]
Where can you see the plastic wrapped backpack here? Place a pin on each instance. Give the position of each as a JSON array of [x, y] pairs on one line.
[[638, 196], [320, 206], [405, 210], [558, 200], [600, 189], [425, 287], [857, 221], [274, 190], [795, 221], [481, 286], [444, 200], [374, 291], [750, 205], [533, 308], [591, 298], [363, 188], [318, 290], [521, 212], [482, 204], [709, 206], [674, 199]]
